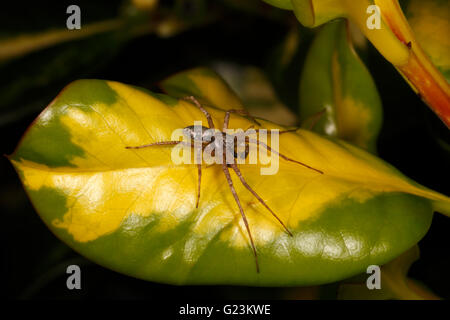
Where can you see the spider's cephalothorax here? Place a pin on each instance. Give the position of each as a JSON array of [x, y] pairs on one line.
[[231, 143], [204, 136]]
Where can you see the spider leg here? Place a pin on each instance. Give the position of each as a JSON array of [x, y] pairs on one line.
[[279, 132], [236, 198], [199, 174], [315, 118], [226, 120], [206, 113], [241, 112], [199, 167], [161, 143], [245, 113], [283, 156], [168, 143], [239, 174]]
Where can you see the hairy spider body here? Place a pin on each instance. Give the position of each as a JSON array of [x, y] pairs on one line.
[[228, 144]]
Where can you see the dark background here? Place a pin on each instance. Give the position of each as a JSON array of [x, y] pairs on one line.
[[34, 261]]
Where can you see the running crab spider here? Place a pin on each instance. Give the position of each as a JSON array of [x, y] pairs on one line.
[[205, 138]]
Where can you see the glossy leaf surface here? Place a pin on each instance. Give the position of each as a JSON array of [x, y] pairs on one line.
[[336, 82], [133, 211]]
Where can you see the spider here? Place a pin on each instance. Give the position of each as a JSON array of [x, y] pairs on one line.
[[205, 138]]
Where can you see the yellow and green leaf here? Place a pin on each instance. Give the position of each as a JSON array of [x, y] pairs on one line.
[[203, 83], [394, 39], [336, 85], [430, 21], [133, 210]]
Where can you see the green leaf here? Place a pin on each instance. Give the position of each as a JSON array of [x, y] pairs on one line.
[[334, 80], [285, 63], [133, 210]]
